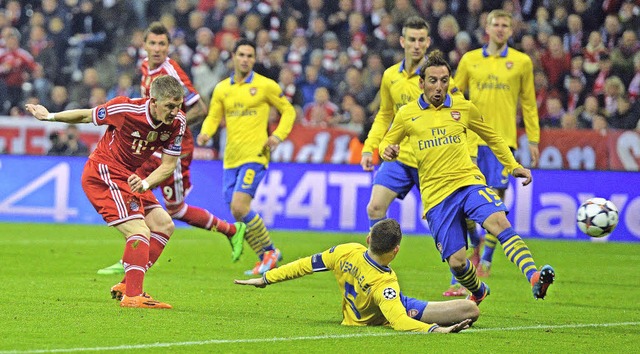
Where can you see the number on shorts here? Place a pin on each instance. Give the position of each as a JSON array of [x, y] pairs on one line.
[[490, 195], [249, 175]]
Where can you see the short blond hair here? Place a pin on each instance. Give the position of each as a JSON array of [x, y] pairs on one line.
[[499, 13]]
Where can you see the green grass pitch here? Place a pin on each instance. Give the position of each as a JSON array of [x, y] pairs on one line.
[[53, 301]]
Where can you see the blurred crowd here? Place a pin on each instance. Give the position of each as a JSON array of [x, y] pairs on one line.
[[328, 56]]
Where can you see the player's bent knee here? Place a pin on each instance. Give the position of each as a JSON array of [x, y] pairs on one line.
[[177, 211], [471, 310], [376, 211]]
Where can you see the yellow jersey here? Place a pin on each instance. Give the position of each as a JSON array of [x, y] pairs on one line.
[[438, 138], [245, 106], [371, 294], [495, 83], [398, 88]]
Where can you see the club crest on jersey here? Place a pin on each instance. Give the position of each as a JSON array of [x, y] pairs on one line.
[[102, 113], [455, 115], [253, 91], [152, 136], [389, 293], [509, 64], [412, 313], [164, 136]]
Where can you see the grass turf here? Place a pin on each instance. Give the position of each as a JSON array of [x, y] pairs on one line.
[[53, 300]]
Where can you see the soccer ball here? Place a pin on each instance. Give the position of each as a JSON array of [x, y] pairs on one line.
[[597, 217]]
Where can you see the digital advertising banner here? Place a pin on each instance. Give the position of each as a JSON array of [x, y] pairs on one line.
[[323, 197]]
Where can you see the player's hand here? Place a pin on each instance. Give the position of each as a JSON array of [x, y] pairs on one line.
[[37, 110], [202, 139], [522, 172], [534, 151], [272, 143], [391, 152], [257, 282], [367, 161], [135, 183], [455, 328]]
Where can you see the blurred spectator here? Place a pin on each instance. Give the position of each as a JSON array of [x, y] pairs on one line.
[[530, 47], [182, 53], [374, 19], [15, 15], [287, 83], [555, 61], [125, 64], [310, 82], [626, 115], [600, 125], [541, 23], [297, 55], [592, 52], [330, 52], [355, 119], [629, 15], [41, 86], [315, 33], [58, 34], [124, 87], [402, 10], [274, 17], [98, 96], [135, 49], [575, 39], [338, 22], [611, 32], [181, 12], [88, 38], [613, 93], [357, 28], [16, 67], [42, 51], [446, 34], [622, 56], [586, 113], [634, 86], [67, 143], [462, 45], [315, 9], [554, 113], [216, 15], [59, 100], [357, 51], [53, 8], [437, 11], [598, 81], [559, 20], [230, 26], [372, 69], [354, 85], [196, 22], [569, 121], [81, 92], [251, 24], [321, 112], [575, 94], [208, 73], [577, 62]]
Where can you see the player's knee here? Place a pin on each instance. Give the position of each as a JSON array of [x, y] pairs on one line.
[[239, 211], [375, 210], [164, 223], [176, 211], [470, 310]]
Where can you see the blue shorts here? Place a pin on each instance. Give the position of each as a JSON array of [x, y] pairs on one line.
[[497, 176], [415, 308], [397, 176], [447, 219], [245, 179]]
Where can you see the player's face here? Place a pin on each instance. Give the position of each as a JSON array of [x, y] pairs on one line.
[[243, 59], [166, 110], [157, 47], [435, 84], [499, 30], [415, 43]]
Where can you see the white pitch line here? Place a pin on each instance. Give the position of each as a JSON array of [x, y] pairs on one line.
[[291, 339]]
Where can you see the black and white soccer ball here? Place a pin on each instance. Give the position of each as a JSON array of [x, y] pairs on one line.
[[597, 217]]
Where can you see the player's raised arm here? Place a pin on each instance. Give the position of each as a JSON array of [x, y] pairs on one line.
[[71, 116]]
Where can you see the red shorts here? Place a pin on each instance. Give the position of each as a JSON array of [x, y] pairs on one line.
[[175, 188], [109, 193]]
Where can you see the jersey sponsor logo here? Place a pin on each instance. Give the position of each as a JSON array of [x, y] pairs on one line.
[[509, 65], [102, 113], [455, 115], [135, 134], [389, 293], [152, 136], [253, 91]]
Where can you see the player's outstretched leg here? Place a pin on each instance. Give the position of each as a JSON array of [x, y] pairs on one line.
[[455, 289], [258, 238], [467, 278], [490, 242], [541, 280], [237, 241]]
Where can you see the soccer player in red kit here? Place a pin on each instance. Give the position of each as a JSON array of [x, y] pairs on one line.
[[176, 188], [136, 129]]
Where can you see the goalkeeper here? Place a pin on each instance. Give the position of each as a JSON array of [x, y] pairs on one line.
[[371, 294]]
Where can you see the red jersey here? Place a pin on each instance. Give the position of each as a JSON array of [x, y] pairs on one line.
[[133, 136], [191, 96], [13, 65]]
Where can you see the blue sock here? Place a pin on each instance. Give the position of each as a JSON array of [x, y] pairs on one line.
[[374, 221]]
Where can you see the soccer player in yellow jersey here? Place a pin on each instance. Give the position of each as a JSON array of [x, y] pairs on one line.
[[371, 294], [497, 76], [400, 85], [451, 185], [244, 100]]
